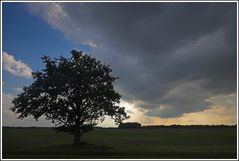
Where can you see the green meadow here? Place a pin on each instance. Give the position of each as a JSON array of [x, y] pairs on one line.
[[45, 143]]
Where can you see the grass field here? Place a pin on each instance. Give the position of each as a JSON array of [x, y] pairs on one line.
[[121, 143]]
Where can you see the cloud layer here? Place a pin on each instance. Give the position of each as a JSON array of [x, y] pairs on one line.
[[15, 67], [171, 57]]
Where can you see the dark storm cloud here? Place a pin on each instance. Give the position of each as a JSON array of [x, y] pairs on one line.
[[170, 57]]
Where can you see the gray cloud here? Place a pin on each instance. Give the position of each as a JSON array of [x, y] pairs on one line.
[[170, 57]]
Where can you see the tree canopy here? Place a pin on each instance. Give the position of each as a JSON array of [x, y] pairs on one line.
[[76, 93]]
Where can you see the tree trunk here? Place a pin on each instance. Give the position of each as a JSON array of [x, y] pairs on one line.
[[77, 137]]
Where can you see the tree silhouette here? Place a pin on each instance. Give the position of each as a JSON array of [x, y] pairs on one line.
[[75, 93]]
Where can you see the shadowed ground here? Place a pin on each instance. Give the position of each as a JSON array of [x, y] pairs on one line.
[[121, 143]]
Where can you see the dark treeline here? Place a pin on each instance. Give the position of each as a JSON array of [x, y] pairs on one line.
[[150, 127], [26, 127], [136, 125], [188, 126], [177, 126]]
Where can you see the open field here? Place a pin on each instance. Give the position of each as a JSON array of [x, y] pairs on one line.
[[121, 143]]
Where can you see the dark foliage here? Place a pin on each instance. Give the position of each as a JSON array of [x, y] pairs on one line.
[[74, 93], [129, 125]]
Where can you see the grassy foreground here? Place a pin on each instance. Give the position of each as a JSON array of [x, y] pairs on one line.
[[120, 143]]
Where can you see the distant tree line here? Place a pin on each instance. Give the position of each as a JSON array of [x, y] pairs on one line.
[[188, 126], [129, 125], [26, 127], [134, 125]]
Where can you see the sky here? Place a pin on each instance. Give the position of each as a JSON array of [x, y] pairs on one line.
[[177, 62]]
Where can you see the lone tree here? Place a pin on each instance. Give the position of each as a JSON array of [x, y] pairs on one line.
[[75, 93]]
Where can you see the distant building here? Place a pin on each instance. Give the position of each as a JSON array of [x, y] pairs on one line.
[[129, 125]]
